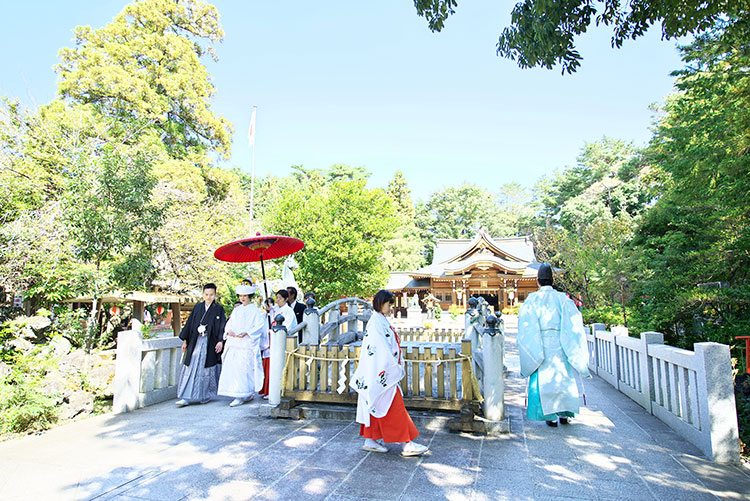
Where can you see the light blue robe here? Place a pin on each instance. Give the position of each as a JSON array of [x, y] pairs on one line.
[[552, 345]]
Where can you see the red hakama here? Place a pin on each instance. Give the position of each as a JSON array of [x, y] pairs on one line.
[[266, 370], [395, 426]]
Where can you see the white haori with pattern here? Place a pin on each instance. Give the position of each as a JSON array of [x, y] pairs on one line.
[[379, 371], [242, 371], [552, 341]]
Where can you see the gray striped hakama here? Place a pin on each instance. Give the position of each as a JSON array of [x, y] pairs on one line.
[[198, 383]]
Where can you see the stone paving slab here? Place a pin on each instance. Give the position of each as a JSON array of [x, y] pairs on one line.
[[612, 450]]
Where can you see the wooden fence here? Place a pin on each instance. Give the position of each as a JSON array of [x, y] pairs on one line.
[[422, 335], [436, 378]]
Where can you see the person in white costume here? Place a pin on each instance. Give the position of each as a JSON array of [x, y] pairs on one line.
[[380, 405], [282, 308], [552, 347], [290, 320], [242, 370]]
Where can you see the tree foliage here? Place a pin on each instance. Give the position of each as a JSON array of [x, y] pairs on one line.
[[699, 230], [144, 69], [344, 226], [543, 33]]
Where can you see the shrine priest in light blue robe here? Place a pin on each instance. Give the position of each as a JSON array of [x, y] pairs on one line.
[[552, 347]]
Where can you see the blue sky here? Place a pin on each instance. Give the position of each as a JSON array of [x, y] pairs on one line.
[[368, 84]]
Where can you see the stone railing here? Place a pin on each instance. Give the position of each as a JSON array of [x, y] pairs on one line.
[[347, 327], [690, 391], [146, 370]]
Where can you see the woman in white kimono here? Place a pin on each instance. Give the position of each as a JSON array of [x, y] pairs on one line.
[[242, 371], [290, 320], [552, 345], [380, 405]]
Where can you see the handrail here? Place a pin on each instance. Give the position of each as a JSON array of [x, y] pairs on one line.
[[338, 302], [298, 327]]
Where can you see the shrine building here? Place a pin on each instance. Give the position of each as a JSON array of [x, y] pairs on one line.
[[501, 270]]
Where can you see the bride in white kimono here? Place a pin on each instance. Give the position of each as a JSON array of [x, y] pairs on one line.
[[552, 347], [242, 370]]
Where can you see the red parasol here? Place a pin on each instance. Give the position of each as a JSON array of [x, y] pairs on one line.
[[258, 248]]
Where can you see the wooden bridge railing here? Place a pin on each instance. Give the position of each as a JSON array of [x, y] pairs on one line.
[[436, 378], [422, 335]]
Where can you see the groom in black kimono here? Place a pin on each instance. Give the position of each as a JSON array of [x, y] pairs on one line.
[[202, 337]]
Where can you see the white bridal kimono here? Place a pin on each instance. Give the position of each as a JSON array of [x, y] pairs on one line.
[[379, 371], [242, 370], [552, 342]]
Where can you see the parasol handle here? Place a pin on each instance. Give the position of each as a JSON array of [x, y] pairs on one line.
[[263, 269]]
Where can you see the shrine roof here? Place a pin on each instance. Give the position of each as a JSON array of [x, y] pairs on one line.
[[402, 280], [452, 257], [519, 247]]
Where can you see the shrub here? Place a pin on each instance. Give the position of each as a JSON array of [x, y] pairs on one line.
[[24, 407], [742, 400], [609, 315], [438, 312], [71, 324], [453, 310]]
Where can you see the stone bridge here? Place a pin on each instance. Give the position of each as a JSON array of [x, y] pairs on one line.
[[613, 450]]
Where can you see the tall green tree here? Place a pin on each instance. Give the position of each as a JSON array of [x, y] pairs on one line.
[[698, 232], [459, 212], [405, 251], [399, 192], [344, 226], [206, 208], [585, 223], [144, 69], [516, 208]]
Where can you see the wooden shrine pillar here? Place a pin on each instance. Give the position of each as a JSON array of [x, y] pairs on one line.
[[138, 307], [176, 319]]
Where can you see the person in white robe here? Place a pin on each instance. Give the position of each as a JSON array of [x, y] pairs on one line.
[[282, 308], [290, 320], [380, 405], [244, 335], [552, 347]]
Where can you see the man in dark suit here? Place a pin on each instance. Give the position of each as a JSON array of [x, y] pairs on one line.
[[299, 308], [202, 337]]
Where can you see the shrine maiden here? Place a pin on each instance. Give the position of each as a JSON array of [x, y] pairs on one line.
[[552, 346], [244, 339], [380, 405]]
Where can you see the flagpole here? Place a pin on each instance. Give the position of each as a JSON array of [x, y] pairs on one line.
[[252, 176]]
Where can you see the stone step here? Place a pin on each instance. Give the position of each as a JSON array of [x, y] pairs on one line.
[[427, 420], [424, 420]]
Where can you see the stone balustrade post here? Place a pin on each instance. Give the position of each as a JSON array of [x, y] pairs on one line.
[[716, 393], [472, 333], [334, 315], [494, 376], [127, 382], [647, 378], [469, 318], [311, 332], [597, 356], [278, 357]]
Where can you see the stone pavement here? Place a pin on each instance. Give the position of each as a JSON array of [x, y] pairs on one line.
[[613, 450]]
